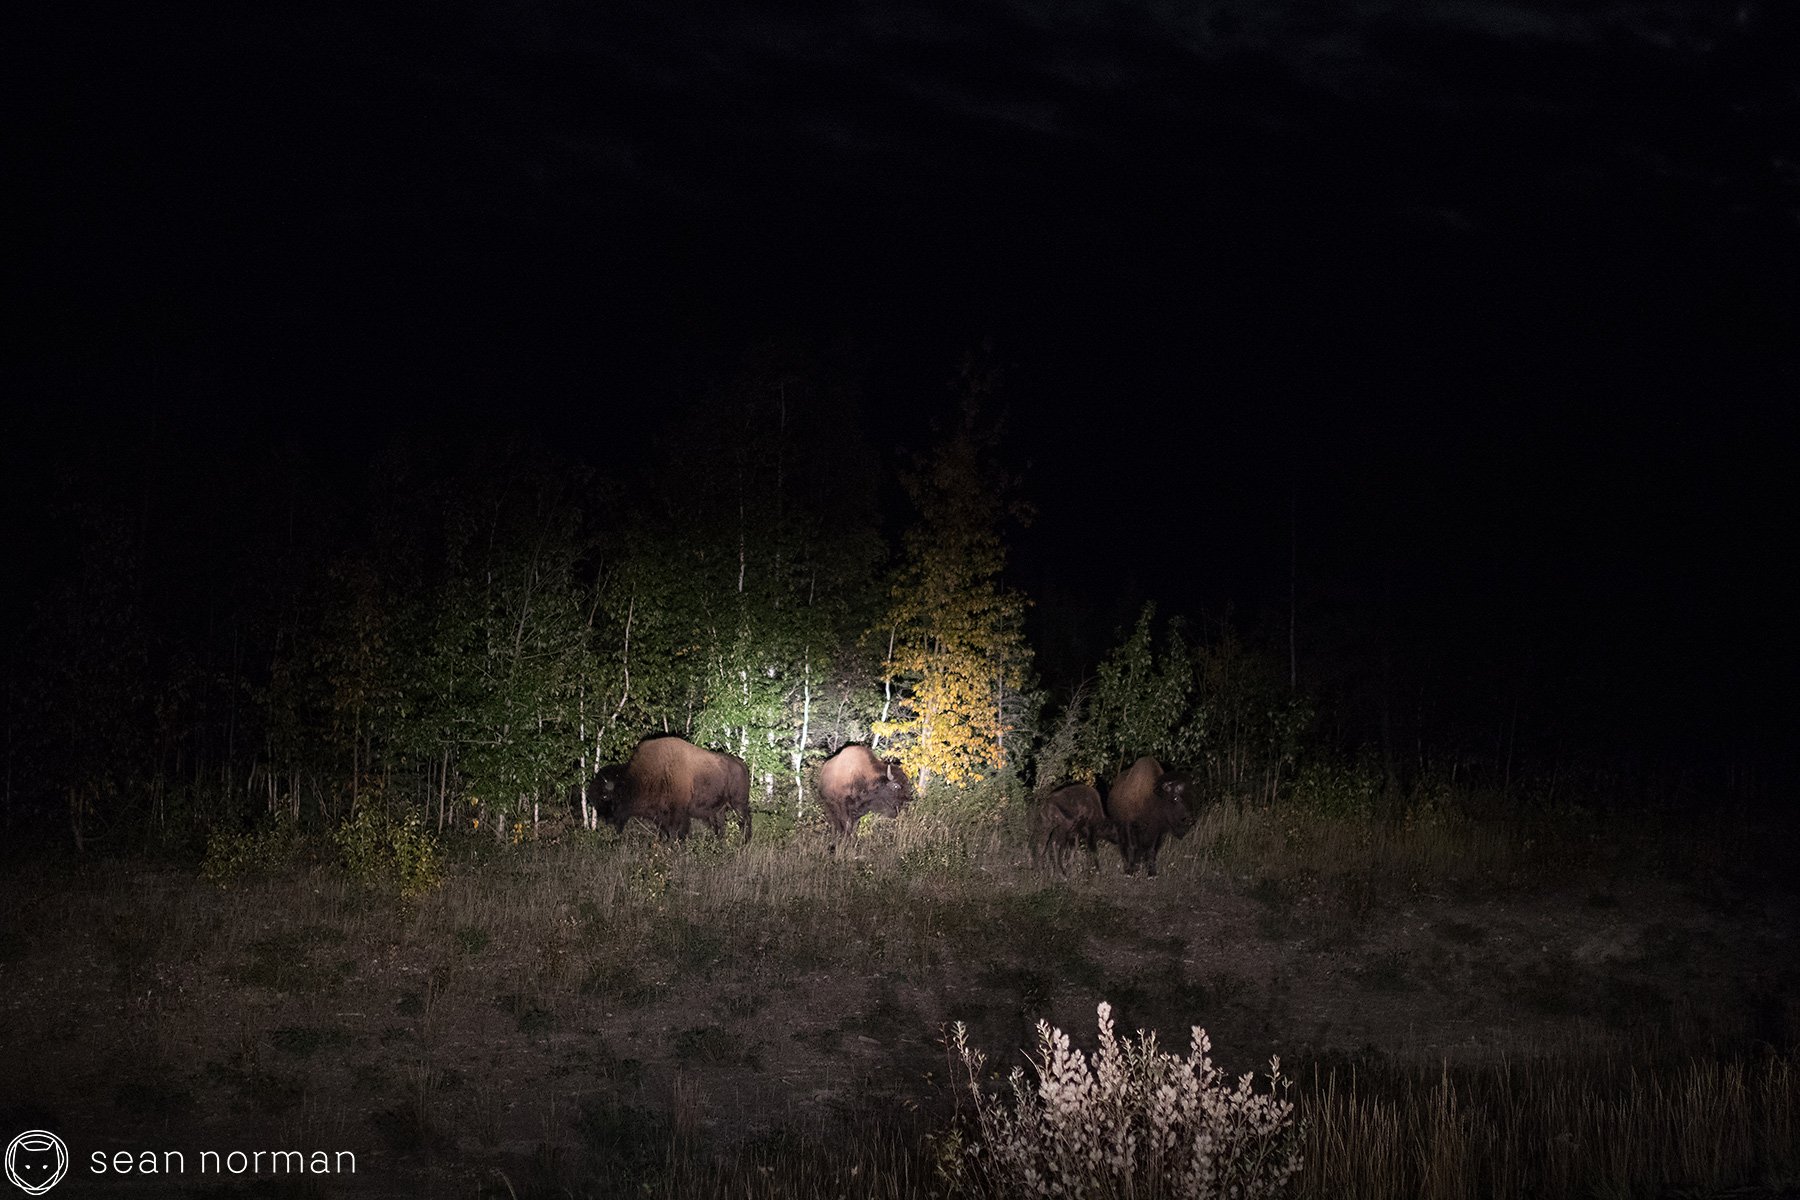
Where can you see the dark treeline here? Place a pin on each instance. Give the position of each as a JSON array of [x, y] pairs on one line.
[[461, 629]]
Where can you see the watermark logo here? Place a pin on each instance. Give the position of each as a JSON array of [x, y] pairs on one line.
[[36, 1161]]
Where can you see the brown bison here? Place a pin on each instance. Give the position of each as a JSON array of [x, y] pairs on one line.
[[1066, 817], [672, 783], [853, 782], [1147, 803]]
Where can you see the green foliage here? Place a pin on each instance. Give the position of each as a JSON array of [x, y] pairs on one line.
[[1060, 759], [732, 612], [1139, 700], [473, 636], [390, 852], [1246, 725], [335, 701], [947, 830], [705, 851], [985, 802], [1218, 708], [780, 827], [1333, 789], [232, 855], [508, 683]]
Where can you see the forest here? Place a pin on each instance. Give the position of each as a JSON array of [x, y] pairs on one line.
[[457, 639], [455, 633]]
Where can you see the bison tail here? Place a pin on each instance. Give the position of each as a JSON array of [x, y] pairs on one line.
[[744, 815]]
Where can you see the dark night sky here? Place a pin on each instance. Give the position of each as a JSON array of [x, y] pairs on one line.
[[1502, 296]]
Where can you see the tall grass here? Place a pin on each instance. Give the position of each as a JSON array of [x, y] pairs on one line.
[[1526, 1128], [1552, 1127], [1436, 847]]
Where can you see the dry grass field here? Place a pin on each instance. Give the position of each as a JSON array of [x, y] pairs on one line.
[[1599, 1008]]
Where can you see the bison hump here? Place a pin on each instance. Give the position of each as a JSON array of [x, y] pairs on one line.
[[849, 770]]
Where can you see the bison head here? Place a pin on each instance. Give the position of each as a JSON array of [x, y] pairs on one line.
[[1178, 802], [888, 792], [604, 791]]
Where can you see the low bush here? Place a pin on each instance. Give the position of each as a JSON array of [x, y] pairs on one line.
[[388, 852], [1131, 1122], [1332, 789], [233, 854]]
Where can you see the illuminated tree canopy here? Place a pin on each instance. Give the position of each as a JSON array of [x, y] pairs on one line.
[[958, 646]]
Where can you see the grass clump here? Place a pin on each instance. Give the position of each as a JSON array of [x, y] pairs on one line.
[[712, 1046], [301, 1041], [285, 962]]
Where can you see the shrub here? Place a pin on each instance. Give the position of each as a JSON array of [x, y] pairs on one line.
[[384, 851], [1133, 1122], [1330, 789], [777, 825], [960, 812], [232, 854]]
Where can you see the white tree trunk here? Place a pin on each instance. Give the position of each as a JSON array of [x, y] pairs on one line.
[[805, 733]]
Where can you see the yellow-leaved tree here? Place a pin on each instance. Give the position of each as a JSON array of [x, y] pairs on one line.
[[956, 663]]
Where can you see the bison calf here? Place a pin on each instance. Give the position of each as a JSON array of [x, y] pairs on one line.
[[1068, 817]]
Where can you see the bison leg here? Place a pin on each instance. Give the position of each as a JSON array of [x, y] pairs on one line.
[[1050, 843], [1150, 854], [1128, 844]]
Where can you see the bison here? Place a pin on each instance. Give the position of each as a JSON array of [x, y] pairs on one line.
[[671, 783], [1068, 816], [853, 782], [1146, 803]]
